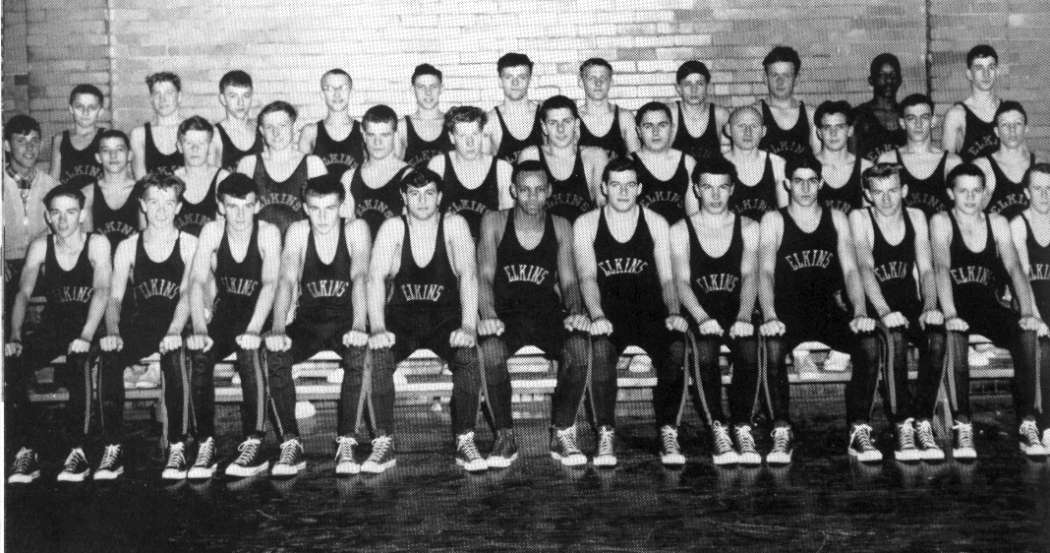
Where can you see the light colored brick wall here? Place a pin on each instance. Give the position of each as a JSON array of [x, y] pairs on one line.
[[15, 60]]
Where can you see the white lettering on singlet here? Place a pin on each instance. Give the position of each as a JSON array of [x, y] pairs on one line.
[[752, 205], [661, 196], [1012, 199], [893, 270], [467, 205], [569, 199], [718, 282], [838, 205], [623, 266], [325, 288], [115, 227], [971, 274], [239, 286], [521, 272], [193, 219], [375, 206], [928, 203], [1040, 271], [81, 169], [789, 147], [808, 259], [986, 141], [422, 292], [157, 287], [281, 199], [339, 158], [72, 294]]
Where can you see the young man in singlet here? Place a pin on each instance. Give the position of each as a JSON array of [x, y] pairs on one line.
[[524, 260], [200, 177], [920, 157], [239, 257], [155, 263], [790, 131], [73, 153], [876, 123], [372, 188], [663, 171], [714, 257], [892, 244], [322, 138], [1005, 169], [111, 208], [969, 125], [280, 171], [696, 122], [573, 171], [423, 135], [427, 258], [623, 262], [597, 112], [517, 116], [473, 181], [237, 135], [809, 289], [72, 270], [971, 249], [325, 261], [1031, 237], [758, 172], [839, 168], [150, 141]]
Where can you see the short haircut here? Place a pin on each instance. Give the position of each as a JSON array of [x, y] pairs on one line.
[[195, 123], [619, 165], [380, 113], [528, 166], [965, 169], [235, 78], [164, 77], [1041, 167], [745, 109], [915, 100], [20, 124], [427, 69], [512, 59], [782, 53], [114, 133], [595, 62], [651, 106], [558, 102], [981, 51], [465, 114], [161, 181], [690, 67], [794, 163], [86, 89], [831, 107], [337, 71], [883, 59], [717, 165], [324, 185], [236, 185], [419, 178], [1010, 105], [68, 190], [879, 171], [273, 107]]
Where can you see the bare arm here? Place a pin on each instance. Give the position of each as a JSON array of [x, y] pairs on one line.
[[678, 237], [290, 272], [941, 243], [503, 174], [464, 263], [30, 271], [487, 245], [770, 233], [315, 167], [493, 132], [989, 180], [586, 264], [359, 242], [56, 157], [1019, 234], [570, 288], [269, 241], [215, 150], [1018, 278], [381, 267], [122, 263], [861, 227], [748, 270], [779, 177], [138, 151], [629, 132], [401, 139], [691, 203], [848, 261], [814, 140], [923, 259], [594, 162], [187, 247], [201, 274], [954, 129], [98, 256], [662, 256], [246, 166], [307, 138]]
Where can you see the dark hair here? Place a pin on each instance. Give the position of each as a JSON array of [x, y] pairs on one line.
[[1010, 105], [981, 51], [527, 166], [114, 133], [595, 62], [883, 59], [337, 71], [651, 106], [782, 53], [879, 171], [717, 165], [512, 59], [831, 107], [914, 100], [163, 181], [272, 107], [465, 114], [1041, 167], [235, 78], [419, 178], [794, 163], [426, 69], [163, 77], [195, 123], [68, 190], [236, 185], [86, 89], [558, 102], [690, 67], [324, 185], [619, 165], [965, 169], [20, 124], [379, 114]]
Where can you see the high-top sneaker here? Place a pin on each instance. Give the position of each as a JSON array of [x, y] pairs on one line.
[[606, 454], [345, 464], [467, 454], [964, 448], [291, 460], [382, 456], [25, 467], [1046, 440], [177, 465], [722, 447], [906, 451], [862, 446], [204, 467], [1028, 439], [928, 448], [504, 451], [76, 467], [745, 444], [111, 466], [783, 446], [564, 448], [670, 451], [248, 461]]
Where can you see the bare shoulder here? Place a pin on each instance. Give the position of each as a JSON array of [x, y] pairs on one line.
[[562, 227], [654, 220]]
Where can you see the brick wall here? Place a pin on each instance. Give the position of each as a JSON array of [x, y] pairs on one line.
[[286, 46], [15, 59]]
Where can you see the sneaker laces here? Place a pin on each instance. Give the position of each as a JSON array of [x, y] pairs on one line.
[[23, 461], [861, 435], [205, 453], [605, 441], [723, 443], [567, 440], [289, 452], [965, 435], [926, 438], [781, 438], [1030, 433], [906, 435], [74, 460], [177, 456], [344, 451], [380, 446], [109, 457], [669, 437], [247, 449], [745, 439], [465, 443]]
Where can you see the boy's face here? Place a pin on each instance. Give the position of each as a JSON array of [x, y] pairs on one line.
[[85, 110], [427, 89], [114, 155], [23, 149], [237, 100], [194, 147], [160, 205], [64, 214], [164, 98], [335, 89]]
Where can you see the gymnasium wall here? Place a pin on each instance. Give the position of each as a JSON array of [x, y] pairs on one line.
[[50, 45]]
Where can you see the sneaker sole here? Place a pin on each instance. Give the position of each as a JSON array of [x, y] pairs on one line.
[[201, 473], [726, 459], [501, 462], [109, 475], [936, 457], [472, 468], [778, 461], [606, 463], [377, 468], [672, 462], [909, 456], [24, 478], [1032, 451], [347, 470], [752, 460], [865, 457], [961, 455], [173, 475], [291, 470], [246, 472], [72, 477], [570, 461]]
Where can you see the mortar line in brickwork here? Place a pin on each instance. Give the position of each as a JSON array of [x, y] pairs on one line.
[[928, 45], [109, 55]]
